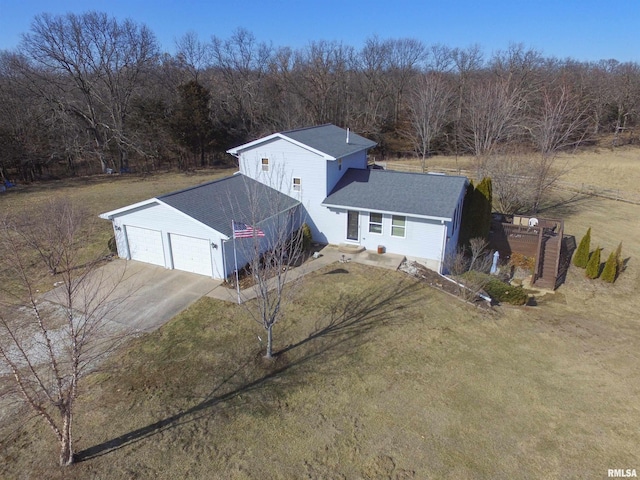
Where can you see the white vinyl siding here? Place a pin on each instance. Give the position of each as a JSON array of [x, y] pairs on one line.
[[398, 226], [318, 175], [423, 240], [165, 222]]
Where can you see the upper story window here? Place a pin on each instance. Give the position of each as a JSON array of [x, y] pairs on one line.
[[297, 184], [375, 222], [339, 164], [265, 164], [398, 226]]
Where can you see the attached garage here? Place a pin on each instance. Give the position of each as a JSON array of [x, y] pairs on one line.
[[190, 230], [191, 254], [145, 245]]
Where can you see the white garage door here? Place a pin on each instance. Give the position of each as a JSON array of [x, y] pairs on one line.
[[191, 254], [145, 245]]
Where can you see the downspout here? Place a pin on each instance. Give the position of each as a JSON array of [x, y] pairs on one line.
[[224, 260], [444, 247]]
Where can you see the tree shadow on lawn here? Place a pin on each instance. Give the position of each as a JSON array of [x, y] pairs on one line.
[[349, 318], [565, 207]]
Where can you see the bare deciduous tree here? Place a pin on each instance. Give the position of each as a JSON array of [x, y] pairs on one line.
[[96, 65], [431, 102], [492, 110], [241, 63], [459, 263], [510, 177], [561, 122], [48, 343], [193, 55], [274, 247]]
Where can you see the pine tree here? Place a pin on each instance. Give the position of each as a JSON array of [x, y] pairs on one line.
[[482, 199], [192, 126], [581, 257], [610, 270], [593, 265], [466, 226]]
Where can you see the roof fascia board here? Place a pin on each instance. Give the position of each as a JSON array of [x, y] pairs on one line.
[[109, 215], [389, 212], [237, 150]]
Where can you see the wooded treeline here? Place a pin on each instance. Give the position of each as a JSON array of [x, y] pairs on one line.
[[86, 93]]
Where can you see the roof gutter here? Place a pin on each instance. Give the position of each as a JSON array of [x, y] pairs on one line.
[[389, 212]]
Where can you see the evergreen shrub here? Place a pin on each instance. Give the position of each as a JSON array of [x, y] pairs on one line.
[[581, 257], [593, 265], [610, 270]]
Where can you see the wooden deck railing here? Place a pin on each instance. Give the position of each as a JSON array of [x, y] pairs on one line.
[[532, 241]]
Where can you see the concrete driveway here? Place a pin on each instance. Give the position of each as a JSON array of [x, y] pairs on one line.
[[148, 296]]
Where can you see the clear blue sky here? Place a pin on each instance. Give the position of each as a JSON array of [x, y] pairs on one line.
[[583, 30]]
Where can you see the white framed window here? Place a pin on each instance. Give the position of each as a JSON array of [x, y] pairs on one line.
[[297, 184], [375, 222], [398, 226], [265, 164]]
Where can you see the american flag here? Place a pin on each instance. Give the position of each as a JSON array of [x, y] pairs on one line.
[[243, 230]]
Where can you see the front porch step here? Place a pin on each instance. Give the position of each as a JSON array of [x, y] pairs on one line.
[[349, 248]]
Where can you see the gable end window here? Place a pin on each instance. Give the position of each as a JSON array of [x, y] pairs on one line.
[[297, 184], [375, 222], [265, 164], [339, 164], [398, 226]]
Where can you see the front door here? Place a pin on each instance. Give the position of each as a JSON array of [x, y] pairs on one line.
[[352, 225]]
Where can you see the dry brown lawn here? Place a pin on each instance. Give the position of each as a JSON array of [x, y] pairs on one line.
[[380, 377], [616, 170]]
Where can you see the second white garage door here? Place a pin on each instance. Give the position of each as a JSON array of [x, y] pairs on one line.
[[191, 254]]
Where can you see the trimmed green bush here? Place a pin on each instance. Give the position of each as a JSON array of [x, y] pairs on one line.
[[505, 293], [610, 270], [593, 265], [497, 289], [581, 257]]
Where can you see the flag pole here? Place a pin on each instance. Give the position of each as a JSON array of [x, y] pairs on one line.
[[235, 259]]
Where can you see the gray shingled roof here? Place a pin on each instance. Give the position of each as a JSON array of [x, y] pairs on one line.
[[330, 139], [405, 193], [231, 198]]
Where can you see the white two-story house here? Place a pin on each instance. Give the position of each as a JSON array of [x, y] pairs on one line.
[[320, 172]]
